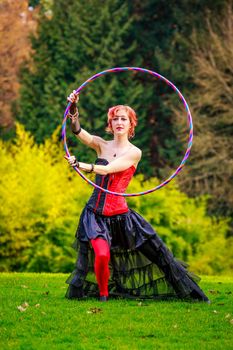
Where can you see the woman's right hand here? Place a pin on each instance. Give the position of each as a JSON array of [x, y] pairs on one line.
[[73, 97], [71, 160]]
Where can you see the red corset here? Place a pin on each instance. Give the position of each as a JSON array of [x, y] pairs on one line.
[[118, 182]]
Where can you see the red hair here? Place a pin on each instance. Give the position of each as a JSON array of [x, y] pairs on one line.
[[131, 114]]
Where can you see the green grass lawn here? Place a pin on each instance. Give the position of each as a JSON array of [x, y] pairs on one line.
[[51, 321]]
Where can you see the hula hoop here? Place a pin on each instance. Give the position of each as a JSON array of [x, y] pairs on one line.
[[189, 117]]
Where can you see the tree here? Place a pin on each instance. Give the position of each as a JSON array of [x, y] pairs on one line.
[[154, 34], [15, 48], [212, 103], [163, 29], [66, 54]]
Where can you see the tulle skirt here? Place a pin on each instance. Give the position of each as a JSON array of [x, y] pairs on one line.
[[141, 266]]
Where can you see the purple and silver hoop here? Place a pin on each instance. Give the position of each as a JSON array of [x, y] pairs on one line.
[[189, 117]]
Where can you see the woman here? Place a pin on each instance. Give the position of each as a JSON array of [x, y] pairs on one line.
[[116, 246]]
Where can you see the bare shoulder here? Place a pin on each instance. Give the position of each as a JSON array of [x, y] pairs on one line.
[[136, 152]]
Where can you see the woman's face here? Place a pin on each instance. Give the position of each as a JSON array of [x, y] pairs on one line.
[[121, 123]]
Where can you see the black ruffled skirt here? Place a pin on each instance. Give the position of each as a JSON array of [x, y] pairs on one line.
[[141, 266]]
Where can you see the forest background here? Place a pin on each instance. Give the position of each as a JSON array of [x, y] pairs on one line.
[[49, 48]]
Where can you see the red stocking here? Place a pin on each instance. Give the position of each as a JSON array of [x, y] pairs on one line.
[[102, 257]]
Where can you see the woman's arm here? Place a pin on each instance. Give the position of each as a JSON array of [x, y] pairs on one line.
[[91, 141], [119, 164], [84, 136]]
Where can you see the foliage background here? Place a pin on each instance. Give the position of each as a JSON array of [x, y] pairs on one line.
[[58, 45]]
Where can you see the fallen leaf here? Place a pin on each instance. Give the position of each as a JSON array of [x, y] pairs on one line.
[[43, 313], [37, 305], [227, 315], [148, 336], [21, 309], [212, 291], [215, 311], [25, 304], [94, 310], [231, 321]]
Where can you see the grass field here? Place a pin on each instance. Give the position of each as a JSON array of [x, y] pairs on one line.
[[49, 321]]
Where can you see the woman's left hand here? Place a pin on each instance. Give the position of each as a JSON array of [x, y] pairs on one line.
[[71, 160]]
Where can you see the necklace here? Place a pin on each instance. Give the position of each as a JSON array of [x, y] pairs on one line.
[[115, 154]]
